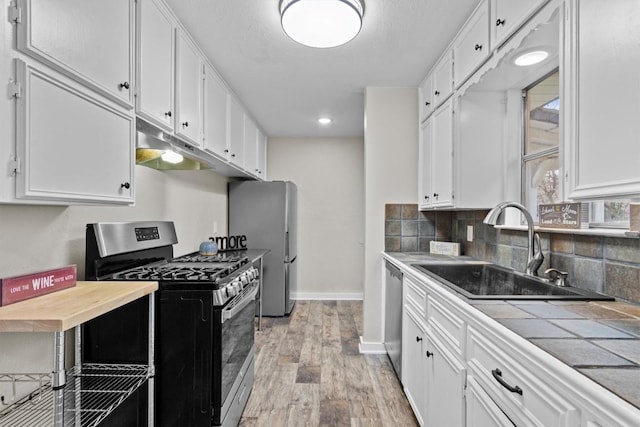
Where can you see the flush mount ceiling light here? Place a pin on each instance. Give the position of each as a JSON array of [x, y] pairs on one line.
[[172, 157], [531, 58], [322, 23], [324, 120]]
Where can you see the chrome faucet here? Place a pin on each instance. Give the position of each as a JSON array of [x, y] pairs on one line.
[[534, 255]]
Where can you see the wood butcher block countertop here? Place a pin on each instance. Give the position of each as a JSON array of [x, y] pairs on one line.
[[65, 309]]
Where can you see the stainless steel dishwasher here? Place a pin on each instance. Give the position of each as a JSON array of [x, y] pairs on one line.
[[393, 316]]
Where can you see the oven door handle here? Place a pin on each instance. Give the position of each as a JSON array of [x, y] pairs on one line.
[[228, 313]]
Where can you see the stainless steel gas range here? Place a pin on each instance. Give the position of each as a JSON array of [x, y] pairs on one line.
[[205, 309]]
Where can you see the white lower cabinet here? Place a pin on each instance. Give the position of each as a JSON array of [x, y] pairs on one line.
[[72, 145], [481, 411], [445, 376], [516, 384], [413, 365]]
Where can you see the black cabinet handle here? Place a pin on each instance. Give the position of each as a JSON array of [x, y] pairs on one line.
[[499, 22], [497, 374], [426, 197], [427, 103], [435, 195], [233, 155], [168, 114], [418, 339], [478, 47], [185, 125], [226, 151], [437, 93], [429, 354], [125, 185], [124, 85]]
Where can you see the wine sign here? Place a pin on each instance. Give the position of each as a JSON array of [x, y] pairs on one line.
[[559, 215], [20, 288], [231, 243]]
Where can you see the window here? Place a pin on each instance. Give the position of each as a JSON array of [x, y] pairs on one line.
[[542, 171], [541, 157]]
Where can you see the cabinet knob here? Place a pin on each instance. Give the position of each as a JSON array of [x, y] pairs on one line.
[[499, 22], [125, 185], [435, 195], [185, 125], [418, 339], [124, 85], [168, 114], [233, 155], [429, 354], [226, 151], [427, 103], [437, 93], [426, 197], [260, 172], [478, 47]]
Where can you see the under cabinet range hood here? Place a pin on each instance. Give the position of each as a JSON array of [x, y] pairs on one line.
[[153, 147], [156, 148]]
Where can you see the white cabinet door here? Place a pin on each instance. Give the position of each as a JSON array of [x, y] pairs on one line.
[[424, 166], [426, 98], [72, 145], [445, 378], [508, 15], [90, 41], [155, 61], [262, 156], [442, 156], [236, 133], [442, 79], [215, 113], [413, 365], [481, 410], [471, 47], [250, 146], [606, 147], [189, 73]]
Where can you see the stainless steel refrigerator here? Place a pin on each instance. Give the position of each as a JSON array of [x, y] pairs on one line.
[[266, 212]]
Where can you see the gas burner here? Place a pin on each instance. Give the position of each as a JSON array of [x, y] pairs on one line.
[[227, 257], [175, 273]]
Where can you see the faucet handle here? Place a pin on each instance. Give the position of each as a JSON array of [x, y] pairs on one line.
[[559, 278]]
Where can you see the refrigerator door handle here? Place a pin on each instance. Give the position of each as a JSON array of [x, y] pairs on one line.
[[286, 246]]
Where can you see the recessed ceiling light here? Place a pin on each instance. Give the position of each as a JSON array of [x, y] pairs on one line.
[[531, 58], [321, 23], [172, 157], [324, 120]]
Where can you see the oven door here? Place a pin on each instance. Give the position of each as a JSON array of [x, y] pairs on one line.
[[237, 325]]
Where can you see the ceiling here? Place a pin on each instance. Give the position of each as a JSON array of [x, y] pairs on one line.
[[286, 86]]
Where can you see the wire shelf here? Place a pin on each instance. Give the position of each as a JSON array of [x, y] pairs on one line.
[[92, 392]]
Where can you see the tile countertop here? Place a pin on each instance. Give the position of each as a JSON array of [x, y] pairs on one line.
[[600, 339]]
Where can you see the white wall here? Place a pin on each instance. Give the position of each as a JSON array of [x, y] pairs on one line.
[[34, 238], [329, 174], [391, 176]]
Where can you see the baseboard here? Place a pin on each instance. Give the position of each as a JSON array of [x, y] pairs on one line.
[[327, 296], [371, 347]]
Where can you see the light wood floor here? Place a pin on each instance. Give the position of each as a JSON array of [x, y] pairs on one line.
[[309, 373]]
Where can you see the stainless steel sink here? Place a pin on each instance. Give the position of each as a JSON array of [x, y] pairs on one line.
[[490, 281]]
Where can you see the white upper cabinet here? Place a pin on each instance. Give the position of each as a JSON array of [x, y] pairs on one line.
[[605, 145], [426, 98], [424, 166], [72, 146], [250, 146], [471, 47], [155, 64], [442, 76], [442, 156], [262, 156], [89, 41], [236, 133], [508, 15], [189, 71], [215, 114]]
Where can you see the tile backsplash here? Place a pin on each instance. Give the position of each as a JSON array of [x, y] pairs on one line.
[[609, 265]]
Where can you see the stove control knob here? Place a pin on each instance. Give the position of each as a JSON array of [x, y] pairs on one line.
[[244, 280], [231, 291]]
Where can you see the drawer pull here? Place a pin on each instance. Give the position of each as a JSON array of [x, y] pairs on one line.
[[497, 374], [418, 339]]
